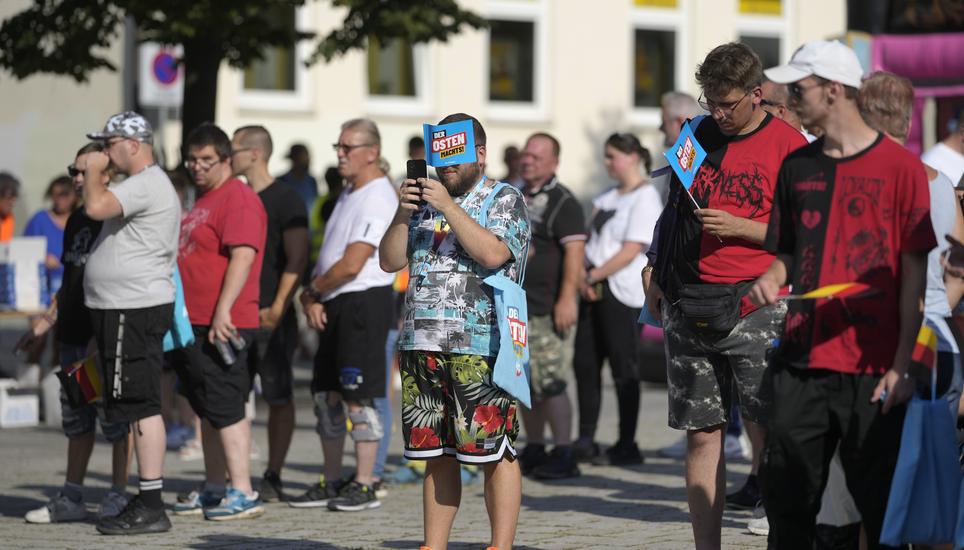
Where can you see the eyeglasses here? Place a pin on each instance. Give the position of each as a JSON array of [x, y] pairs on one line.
[[203, 163], [345, 148], [239, 150], [112, 142], [73, 171], [725, 108], [768, 103], [796, 90]]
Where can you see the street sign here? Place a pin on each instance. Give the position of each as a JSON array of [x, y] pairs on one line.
[[161, 79]]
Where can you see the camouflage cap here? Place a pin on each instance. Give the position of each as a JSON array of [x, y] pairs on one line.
[[128, 125]]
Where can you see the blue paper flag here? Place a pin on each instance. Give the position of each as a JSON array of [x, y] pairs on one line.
[[449, 144], [686, 155]]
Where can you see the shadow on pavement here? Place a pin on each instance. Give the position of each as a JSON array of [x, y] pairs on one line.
[[16, 507], [210, 542], [407, 544]]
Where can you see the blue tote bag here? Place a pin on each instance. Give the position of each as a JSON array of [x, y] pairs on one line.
[[511, 369], [180, 335], [922, 508]]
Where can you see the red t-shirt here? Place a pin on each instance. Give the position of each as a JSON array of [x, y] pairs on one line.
[[846, 220], [739, 177], [231, 215]]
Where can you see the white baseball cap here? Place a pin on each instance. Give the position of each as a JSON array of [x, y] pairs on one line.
[[828, 59]]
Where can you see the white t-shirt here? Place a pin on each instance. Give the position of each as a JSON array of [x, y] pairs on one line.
[[619, 218], [132, 263], [943, 216], [359, 216], [945, 160]]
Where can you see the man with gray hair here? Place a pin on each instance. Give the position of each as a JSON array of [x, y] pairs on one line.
[[675, 108], [129, 289], [349, 301]]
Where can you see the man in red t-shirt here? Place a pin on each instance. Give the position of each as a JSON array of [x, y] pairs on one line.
[[712, 250], [852, 206], [219, 257]]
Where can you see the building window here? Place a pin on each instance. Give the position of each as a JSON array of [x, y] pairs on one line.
[[655, 63], [761, 7], [766, 47], [277, 70], [511, 60], [391, 69]]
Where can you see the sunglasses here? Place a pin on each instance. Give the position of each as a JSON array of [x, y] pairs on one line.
[[73, 171]]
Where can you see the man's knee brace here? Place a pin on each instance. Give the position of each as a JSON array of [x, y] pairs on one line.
[[331, 418], [365, 425]]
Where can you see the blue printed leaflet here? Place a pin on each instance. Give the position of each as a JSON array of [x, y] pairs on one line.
[[686, 155], [449, 144]]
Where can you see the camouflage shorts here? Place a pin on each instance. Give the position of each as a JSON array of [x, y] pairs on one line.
[[549, 356], [701, 369]]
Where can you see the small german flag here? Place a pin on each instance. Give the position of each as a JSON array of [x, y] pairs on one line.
[[838, 291], [925, 350], [87, 376]]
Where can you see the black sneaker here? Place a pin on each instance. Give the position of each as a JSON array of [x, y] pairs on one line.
[[532, 457], [271, 489], [561, 465], [620, 454], [355, 497], [747, 497], [135, 519], [318, 495], [585, 451]]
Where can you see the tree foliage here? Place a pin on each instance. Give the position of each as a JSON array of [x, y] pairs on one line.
[[72, 37]]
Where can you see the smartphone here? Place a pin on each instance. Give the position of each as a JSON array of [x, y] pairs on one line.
[[417, 168]]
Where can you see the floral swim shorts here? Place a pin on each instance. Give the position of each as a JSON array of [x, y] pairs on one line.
[[451, 407]]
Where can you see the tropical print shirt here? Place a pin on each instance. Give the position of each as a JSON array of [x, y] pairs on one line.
[[448, 308]]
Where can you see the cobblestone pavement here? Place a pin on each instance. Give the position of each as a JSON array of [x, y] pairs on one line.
[[608, 507]]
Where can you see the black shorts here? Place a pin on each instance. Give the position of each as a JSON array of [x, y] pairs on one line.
[[217, 391], [351, 349], [271, 356], [130, 343]]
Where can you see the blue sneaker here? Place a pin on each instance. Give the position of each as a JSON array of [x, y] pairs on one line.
[[235, 505], [196, 502], [177, 435]]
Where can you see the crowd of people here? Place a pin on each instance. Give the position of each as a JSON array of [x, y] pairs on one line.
[[805, 183]]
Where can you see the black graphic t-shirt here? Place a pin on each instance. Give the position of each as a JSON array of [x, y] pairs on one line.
[[73, 317], [286, 210], [846, 220], [739, 177], [556, 219]]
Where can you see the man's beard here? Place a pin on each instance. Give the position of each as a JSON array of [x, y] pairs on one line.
[[465, 184]]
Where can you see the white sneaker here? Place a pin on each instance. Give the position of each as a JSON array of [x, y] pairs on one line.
[[57, 510], [191, 450], [676, 450], [759, 525], [112, 505], [737, 447]]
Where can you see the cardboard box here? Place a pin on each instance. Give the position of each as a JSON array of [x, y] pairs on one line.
[[19, 408]]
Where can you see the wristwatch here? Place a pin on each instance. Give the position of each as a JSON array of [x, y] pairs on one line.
[[312, 293]]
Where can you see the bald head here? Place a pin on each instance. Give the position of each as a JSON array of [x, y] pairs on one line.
[[256, 137], [775, 99]]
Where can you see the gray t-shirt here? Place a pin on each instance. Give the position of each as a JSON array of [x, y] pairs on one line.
[[132, 262]]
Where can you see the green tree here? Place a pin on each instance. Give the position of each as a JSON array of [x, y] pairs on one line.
[[70, 37]]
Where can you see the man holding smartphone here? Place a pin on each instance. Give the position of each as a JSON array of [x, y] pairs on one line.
[[451, 410], [349, 300]]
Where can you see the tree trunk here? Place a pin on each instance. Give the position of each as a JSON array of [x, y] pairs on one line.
[[202, 59]]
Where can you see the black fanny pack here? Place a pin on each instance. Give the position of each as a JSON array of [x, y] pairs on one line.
[[711, 307]]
